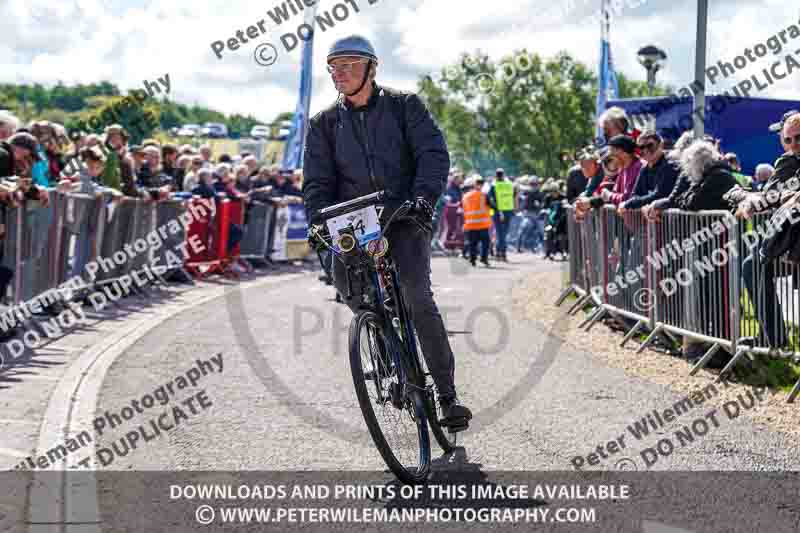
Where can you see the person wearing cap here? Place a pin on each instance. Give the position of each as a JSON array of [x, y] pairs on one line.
[[657, 178], [780, 186], [501, 200], [477, 222], [622, 149], [114, 143], [375, 138]]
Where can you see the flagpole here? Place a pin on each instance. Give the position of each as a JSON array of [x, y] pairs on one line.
[[700, 67], [295, 144]]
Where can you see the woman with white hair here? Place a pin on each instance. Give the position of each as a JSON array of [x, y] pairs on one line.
[[614, 121], [653, 211], [710, 177]]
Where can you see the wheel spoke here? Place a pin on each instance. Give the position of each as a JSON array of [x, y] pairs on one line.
[[398, 426]]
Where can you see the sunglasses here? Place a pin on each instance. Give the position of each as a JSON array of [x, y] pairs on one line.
[[792, 140], [344, 67], [648, 147]]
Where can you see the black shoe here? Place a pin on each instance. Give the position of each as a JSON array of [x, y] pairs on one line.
[[455, 416], [485, 262], [472, 262]]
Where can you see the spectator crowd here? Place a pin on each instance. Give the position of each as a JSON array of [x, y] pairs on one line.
[[40, 155], [641, 171]]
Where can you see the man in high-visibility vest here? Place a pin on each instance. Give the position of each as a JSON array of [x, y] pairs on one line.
[[501, 199], [477, 222]]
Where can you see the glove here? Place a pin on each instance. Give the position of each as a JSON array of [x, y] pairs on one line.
[[423, 209], [316, 233]]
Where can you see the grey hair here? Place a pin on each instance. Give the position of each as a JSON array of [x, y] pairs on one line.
[[697, 158], [680, 145], [612, 113], [203, 173], [765, 168], [6, 117]]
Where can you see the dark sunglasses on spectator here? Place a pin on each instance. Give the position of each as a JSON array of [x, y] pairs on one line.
[[648, 147], [789, 140]]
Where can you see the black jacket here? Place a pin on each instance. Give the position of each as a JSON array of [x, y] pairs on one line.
[[707, 194], [354, 162], [576, 183], [6, 160], [654, 183]]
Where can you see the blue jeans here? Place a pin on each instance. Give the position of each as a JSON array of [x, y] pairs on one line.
[[514, 228], [501, 227], [530, 232]]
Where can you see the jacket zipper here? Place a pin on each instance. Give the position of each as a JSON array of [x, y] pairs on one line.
[[363, 116]]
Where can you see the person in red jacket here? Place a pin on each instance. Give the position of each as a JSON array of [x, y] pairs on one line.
[[623, 151]]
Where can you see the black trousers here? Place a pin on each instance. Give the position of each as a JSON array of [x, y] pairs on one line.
[[410, 250], [473, 238]]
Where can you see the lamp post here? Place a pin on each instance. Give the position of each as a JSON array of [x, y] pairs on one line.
[[652, 59]]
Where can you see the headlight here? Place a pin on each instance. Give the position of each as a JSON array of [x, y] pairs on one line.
[[378, 247], [346, 243]]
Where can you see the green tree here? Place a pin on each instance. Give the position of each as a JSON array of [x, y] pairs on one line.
[[520, 112]]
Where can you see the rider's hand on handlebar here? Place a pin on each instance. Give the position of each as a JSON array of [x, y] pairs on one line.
[[316, 237], [423, 209]]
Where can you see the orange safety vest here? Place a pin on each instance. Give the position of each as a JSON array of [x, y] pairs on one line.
[[476, 211]]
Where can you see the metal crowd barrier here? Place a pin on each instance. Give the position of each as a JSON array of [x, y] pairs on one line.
[[698, 275], [162, 259], [257, 231], [50, 249], [623, 246], [693, 268], [578, 284]]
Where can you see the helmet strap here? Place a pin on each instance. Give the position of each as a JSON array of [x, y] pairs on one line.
[[363, 80]]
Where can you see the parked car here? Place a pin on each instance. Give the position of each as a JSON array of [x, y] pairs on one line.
[[283, 133], [215, 130], [259, 132], [189, 130]]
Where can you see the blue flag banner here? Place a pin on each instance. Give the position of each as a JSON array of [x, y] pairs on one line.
[[607, 86], [293, 151]]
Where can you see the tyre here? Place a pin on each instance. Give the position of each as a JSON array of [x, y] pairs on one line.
[[395, 412]]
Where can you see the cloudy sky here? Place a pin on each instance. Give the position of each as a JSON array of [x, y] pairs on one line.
[[129, 41]]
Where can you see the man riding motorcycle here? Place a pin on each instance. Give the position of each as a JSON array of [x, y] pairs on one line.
[[375, 138]]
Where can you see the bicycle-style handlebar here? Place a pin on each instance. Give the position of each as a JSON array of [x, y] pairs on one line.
[[352, 205]]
